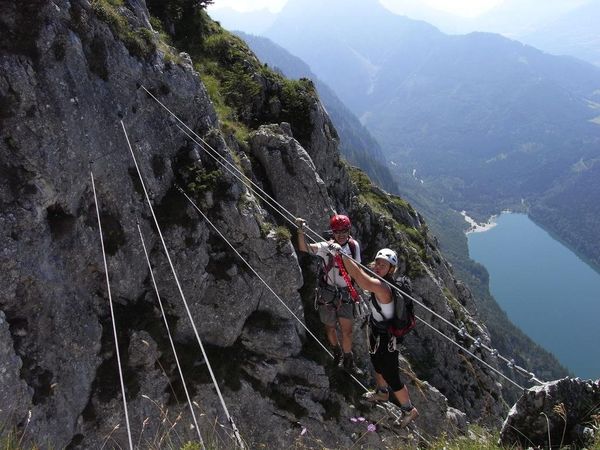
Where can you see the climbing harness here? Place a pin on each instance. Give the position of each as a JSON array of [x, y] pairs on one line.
[[327, 293]]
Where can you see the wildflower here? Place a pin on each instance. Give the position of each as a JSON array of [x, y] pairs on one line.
[[371, 428], [303, 432], [353, 419]]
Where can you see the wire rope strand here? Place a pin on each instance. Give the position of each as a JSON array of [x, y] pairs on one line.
[[164, 316], [112, 315], [189, 313], [472, 355], [250, 185]]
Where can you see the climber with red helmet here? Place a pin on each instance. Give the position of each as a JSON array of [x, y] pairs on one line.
[[334, 298]]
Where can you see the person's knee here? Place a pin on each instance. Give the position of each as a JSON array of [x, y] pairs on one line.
[[329, 328], [346, 326], [396, 384], [393, 379]]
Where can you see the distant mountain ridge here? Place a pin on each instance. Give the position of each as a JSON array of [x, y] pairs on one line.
[[560, 28], [575, 33], [255, 21]]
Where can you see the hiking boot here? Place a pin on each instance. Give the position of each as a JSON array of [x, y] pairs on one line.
[[408, 417], [337, 356], [378, 395], [350, 365]]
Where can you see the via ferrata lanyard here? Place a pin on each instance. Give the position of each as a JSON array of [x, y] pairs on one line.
[[346, 277]]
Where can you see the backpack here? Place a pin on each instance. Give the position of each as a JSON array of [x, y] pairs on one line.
[[404, 318], [325, 268]]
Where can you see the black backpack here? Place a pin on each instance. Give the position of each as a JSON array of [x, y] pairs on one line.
[[404, 318]]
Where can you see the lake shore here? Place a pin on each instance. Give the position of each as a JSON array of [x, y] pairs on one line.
[[475, 227]]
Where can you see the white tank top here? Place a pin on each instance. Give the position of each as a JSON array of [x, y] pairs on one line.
[[387, 309]]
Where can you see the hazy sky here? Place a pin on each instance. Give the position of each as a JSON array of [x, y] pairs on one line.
[[464, 8]]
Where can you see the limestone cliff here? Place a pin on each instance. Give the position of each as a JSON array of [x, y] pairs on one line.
[[70, 71]]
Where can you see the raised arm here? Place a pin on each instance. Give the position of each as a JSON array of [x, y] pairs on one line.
[[302, 245], [378, 287]]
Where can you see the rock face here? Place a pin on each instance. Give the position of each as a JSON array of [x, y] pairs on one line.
[[561, 411], [67, 80]]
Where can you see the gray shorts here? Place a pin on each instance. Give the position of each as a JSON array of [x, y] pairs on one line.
[[329, 314]]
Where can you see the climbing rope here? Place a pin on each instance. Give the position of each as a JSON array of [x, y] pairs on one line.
[[112, 315], [189, 314], [278, 208], [164, 316]]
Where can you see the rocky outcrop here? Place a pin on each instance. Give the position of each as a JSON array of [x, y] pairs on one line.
[[281, 155], [67, 80], [556, 414]]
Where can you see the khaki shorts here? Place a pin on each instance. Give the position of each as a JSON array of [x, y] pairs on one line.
[[329, 314]]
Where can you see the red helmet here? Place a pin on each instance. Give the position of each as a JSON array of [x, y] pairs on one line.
[[339, 223]]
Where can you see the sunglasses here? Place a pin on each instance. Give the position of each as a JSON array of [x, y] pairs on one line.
[[346, 231]]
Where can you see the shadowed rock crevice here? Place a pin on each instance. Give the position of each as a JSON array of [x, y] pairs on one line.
[[114, 236], [96, 55], [37, 377], [25, 28], [61, 223]]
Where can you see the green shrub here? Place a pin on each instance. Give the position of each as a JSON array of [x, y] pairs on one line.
[[297, 98], [282, 234], [140, 42], [200, 180]]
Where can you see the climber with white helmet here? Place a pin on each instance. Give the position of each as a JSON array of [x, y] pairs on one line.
[[336, 295], [382, 344]]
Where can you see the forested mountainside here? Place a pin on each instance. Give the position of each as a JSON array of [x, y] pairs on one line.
[[74, 75], [486, 122], [445, 223]]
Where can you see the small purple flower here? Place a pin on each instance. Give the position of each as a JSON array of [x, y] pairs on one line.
[[371, 428], [303, 432], [361, 419], [353, 419]]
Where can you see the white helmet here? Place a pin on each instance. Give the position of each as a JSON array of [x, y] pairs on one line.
[[389, 255]]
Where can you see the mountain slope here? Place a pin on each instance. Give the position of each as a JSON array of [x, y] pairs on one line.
[[73, 79], [488, 123], [356, 143]]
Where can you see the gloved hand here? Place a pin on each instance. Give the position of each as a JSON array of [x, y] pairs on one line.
[[300, 222], [334, 248]]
